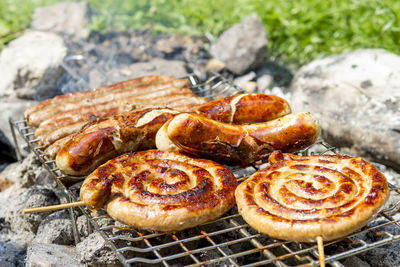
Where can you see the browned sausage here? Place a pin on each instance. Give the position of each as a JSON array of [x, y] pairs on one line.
[[245, 108], [90, 94], [242, 144], [148, 91], [102, 141], [177, 101], [237, 109], [52, 150]]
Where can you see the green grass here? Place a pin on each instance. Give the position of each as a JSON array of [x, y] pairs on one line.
[[15, 16], [298, 31]]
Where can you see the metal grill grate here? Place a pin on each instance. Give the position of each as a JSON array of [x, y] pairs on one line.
[[229, 240]]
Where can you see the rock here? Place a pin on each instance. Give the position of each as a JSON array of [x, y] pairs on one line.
[[13, 224], [82, 225], [70, 18], [156, 66], [7, 152], [169, 45], [11, 108], [178, 47], [386, 255], [28, 172], [250, 87], [215, 65], [239, 81], [31, 64], [39, 197], [354, 261], [242, 47], [279, 91], [265, 82], [22, 176], [93, 251], [4, 183], [381, 257], [11, 255], [52, 255], [56, 229], [356, 95], [97, 79]]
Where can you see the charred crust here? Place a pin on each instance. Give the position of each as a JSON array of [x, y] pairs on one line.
[[300, 167], [228, 179]]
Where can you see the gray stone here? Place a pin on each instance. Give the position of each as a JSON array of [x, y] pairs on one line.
[[169, 45], [93, 251], [215, 65], [242, 47], [40, 255], [28, 172], [12, 108], [11, 255], [241, 80], [156, 66], [356, 95], [56, 229], [278, 91], [354, 261], [70, 18], [13, 224], [97, 79], [265, 82], [39, 197], [249, 87], [82, 225], [7, 152], [382, 257], [31, 64], [4, 183]]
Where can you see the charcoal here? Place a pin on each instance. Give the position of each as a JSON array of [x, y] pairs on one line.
[[52, 255], [56, 229], [39, 197], [93, 251]]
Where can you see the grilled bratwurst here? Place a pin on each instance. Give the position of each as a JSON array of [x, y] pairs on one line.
[[237, 109], [242, 144], [302, 197], [160, 190], [106, 139]]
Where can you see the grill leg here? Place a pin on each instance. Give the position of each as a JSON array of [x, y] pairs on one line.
[[73, 220], [17, 149]]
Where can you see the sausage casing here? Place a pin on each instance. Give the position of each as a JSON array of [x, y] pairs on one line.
[[242, 144]]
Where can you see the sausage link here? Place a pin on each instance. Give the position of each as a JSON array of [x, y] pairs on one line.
[[242, 144], [245, 108], [102, 141]]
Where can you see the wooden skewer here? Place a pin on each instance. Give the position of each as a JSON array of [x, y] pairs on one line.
[[321, 253], [55, 207]]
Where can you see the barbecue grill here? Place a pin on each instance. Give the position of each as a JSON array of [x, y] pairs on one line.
[[226, 241]]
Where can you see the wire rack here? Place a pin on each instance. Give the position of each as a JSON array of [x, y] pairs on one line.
[[228, 241]]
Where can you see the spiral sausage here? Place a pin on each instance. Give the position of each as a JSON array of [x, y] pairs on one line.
[[299, 198], [162, 191]]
